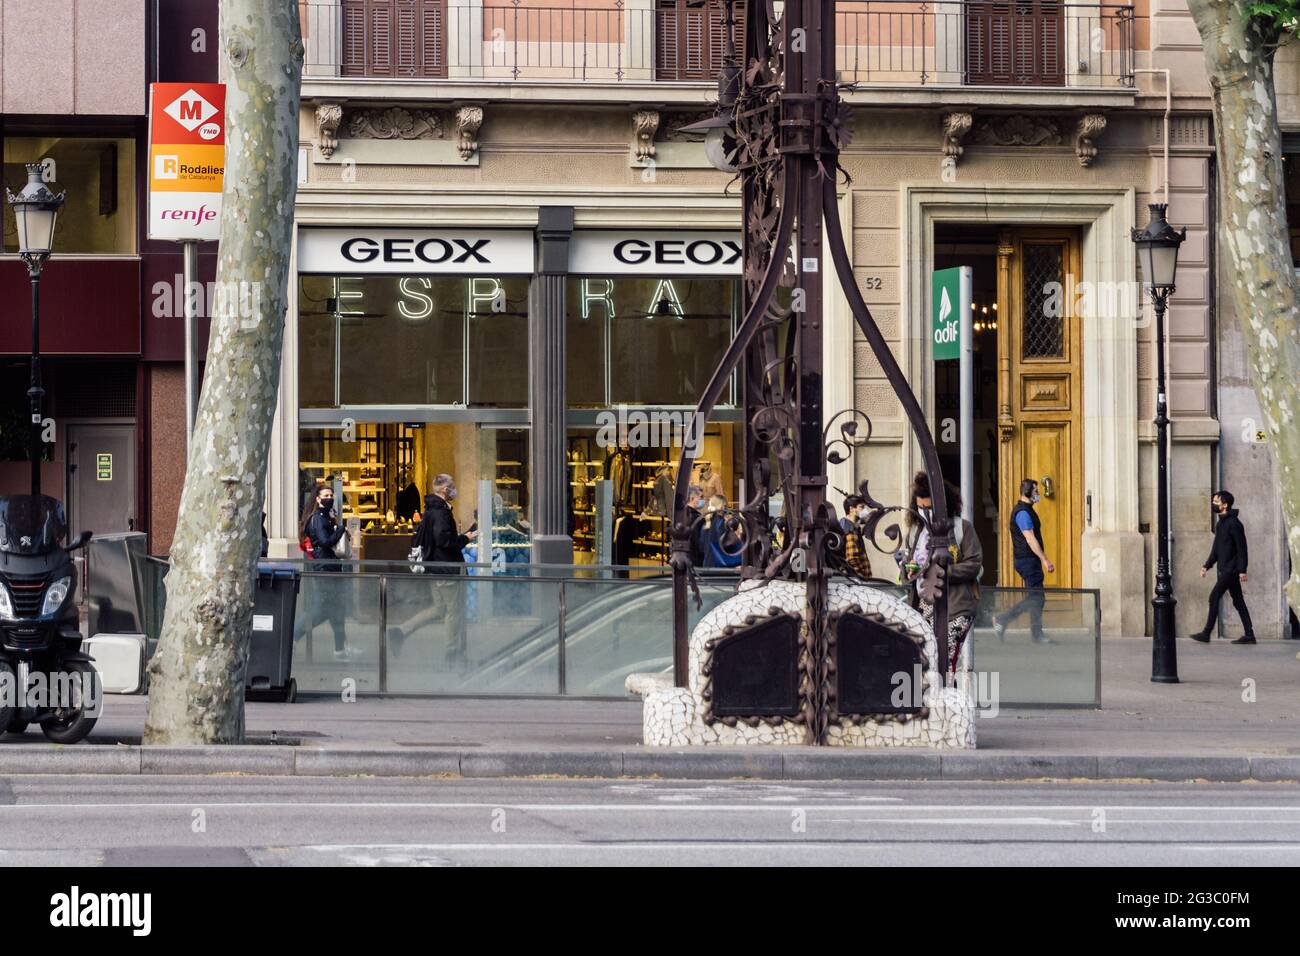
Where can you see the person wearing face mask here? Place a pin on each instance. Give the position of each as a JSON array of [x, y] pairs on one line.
[[1029, 561], [1229, 553], [964, 571], [322, 534], [855, 552], [440, 541]]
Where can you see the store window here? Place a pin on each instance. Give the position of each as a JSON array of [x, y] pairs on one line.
[[646, 341], [385, 471], [383, 340], [98, 174]]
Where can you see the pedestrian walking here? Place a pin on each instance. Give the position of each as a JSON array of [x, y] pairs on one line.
[[439, 541], [322, 536], [1229, 555], [1029, 561], [720, 541], [964, 571]]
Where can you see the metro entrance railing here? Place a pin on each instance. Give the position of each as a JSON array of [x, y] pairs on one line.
[[579, 631]]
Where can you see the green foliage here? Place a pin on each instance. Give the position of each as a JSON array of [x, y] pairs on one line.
[[1282, 15]]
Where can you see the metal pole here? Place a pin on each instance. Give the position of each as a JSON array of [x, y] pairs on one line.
[[1164, 658], [35, 392], [191, 298], [966, 375]]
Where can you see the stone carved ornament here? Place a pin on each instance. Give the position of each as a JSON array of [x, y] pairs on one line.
[[955, 128], [469, 119], [1018, 130], [328, 118], [397, 123], [1091, 126], [645, 123]]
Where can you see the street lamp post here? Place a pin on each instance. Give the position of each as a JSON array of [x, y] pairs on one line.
[[36, 208], [1157, 247]]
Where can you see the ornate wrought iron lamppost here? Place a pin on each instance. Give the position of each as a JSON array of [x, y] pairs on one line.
[[1157, 247], [780, 124], [36, 209]]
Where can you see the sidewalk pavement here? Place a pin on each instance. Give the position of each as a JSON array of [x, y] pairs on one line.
[[1206, 727]]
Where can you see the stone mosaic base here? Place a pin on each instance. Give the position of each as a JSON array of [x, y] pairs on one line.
[[674, 716]]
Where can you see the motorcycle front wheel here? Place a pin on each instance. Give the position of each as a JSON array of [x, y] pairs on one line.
[[71, 724]]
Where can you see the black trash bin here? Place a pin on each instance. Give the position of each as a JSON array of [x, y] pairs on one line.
[[270, 653]]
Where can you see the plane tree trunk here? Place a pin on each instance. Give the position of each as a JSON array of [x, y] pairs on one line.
[[196, 693]]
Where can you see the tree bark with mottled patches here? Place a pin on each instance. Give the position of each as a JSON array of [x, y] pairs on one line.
[[196, 693], [1253, 231]]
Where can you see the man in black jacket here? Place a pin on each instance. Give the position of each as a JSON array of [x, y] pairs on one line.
[[1229, 554], [438, 540]]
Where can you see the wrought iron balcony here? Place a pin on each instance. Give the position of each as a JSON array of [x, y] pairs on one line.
[[879, 43]]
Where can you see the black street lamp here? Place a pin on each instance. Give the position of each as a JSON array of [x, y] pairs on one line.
[[1157, 248], [36, 208]]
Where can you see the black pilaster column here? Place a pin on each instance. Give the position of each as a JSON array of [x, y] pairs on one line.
[[549, 474]]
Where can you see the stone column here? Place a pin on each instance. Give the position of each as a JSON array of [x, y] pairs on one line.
[[546, 388]]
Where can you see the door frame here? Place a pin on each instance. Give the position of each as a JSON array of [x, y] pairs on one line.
[[1105, 215]]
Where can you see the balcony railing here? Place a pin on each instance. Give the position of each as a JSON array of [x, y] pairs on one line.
[[879, 43]]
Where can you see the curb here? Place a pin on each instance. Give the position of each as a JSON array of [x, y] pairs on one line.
[[711, 764]]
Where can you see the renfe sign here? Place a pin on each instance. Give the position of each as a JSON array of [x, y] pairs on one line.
[[415, 251], [655, 253], [187, 159]]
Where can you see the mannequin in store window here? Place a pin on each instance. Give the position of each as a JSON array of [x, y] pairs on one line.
[[618, 469], [408, 498]]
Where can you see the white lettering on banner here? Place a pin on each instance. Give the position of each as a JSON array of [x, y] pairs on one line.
[[416, 251], [655, 252]]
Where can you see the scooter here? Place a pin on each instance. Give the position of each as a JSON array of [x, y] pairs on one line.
[[45, 678]]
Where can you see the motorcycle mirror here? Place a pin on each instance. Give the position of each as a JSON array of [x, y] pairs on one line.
[[82, 540]]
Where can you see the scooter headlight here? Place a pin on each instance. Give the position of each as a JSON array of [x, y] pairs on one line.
[[55, 595], [6, 605]]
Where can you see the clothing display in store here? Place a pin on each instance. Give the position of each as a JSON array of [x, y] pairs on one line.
[[618, 469], [663, 491], [710, 481], [408, 502]]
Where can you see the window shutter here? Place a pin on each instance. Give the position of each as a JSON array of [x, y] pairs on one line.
[[380, 40], [433, 38], [667, 58], [354, 38]]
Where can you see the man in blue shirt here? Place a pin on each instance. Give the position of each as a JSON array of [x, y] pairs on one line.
[[1029, 560]]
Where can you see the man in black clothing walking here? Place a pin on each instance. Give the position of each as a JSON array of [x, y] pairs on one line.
[[1030, 559], [1229, 554]]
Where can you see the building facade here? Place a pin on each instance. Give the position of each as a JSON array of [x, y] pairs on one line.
[[74, 88]]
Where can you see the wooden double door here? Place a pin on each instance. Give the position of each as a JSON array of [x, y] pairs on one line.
[[1040, 393]]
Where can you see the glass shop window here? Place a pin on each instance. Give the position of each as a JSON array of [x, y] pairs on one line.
[[413, 340]]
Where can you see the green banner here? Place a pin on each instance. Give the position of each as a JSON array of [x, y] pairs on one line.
[[945, 314]]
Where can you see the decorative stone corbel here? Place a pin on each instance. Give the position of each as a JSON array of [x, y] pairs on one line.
[[955, 128], [469, 119], [328, 118], [645, 123], [1091, 126]]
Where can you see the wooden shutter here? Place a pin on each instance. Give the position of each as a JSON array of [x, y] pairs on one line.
[[399, 38], [690, 42], [1015, 44]]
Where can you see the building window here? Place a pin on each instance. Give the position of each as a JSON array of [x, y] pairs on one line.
[[1015, 44], [691, 41], [99, 176], [401, 38], [646, 341], [413, 340]]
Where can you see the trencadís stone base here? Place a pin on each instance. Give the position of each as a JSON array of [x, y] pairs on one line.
[[675, 716]]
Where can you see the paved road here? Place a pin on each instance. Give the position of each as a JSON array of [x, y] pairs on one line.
[[277, 821]]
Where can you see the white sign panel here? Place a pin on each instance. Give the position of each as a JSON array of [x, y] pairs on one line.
[[415, 251], [655, 253]]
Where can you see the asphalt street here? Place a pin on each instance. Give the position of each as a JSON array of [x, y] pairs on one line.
[[282, 821]]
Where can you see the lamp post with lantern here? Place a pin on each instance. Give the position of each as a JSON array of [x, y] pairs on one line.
[[36, 209], [1157, 249]]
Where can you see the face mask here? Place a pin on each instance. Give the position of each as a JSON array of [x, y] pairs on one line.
[[927, 514], [1036, 497], [451, 494], [327, 504]]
